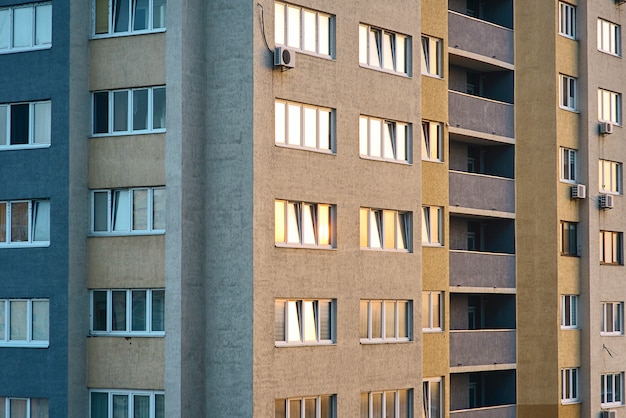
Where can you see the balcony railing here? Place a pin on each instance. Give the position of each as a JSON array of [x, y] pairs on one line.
[[480, 37], [479, 191], [481, 115], [500, 411], [482, 347], [479, 269]]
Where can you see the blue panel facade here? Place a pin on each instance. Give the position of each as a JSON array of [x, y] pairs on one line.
[[30, 174]]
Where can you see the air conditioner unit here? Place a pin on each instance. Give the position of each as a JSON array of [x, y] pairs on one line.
[[620, 1], [606, 201], [606, 127], [284, 57], [579, 191], [608, 414]]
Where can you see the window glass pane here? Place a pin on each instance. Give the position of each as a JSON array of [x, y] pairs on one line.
[[310, 127], [140, 210], [309, 408], [293, 124], [363, 323], [279, 320], [374, 136], [400, 54], [388, 50], [3, 222], [403, 315], [326, 407], [140, 110], [390, 404], [363, 135], [99, 405], [309, 327], [324, 128], [401, 137], [142, 406], [436, 310], [158, 310], [18, 316], [279, 408], [426, 310], [375, 229], [102, 16], [99, 310], [43, 25], [293, 321], [389, 139], [121, 17], [141, 15], [389, 230], [365, 405], [377, 405], [100, 211], [120, 406], [293, 27], [139, 310], [402, 231], [158, 108], [377, 314], [121, 210], [323, 225], [42, 116], [308, 224], [279, 122], [158, 14], [41, 320], [41, 220], [362, 44], [2, 333], [323, 34], [435, 398], [324, 319], [22, 27], [20, 124], [293, 223], [279, 24], [118, 314], [375, 47], [390, 320], [100, 113], [3, 124], [308, 30], [158, 209], [159, 406], [38, 408], [5, 28], [279, 221], [120, 111], [403, 405], [363, 215], [18, 408], [294, 408], [19, 222]]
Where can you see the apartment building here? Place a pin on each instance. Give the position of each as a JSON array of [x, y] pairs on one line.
[[194, 224]]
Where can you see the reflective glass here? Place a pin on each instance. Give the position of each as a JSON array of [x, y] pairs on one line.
[[22, 27], [43, 25]]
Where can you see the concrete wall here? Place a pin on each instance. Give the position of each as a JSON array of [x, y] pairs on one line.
[[496, 42], [477, 114]]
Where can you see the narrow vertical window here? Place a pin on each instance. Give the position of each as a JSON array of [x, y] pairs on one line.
[[431, 56], [567, 20], [432, 225], [569, 311]]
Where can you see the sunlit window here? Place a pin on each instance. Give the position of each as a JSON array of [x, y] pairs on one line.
[[567, 20], [432, 307], [432, 225], [124, 17], [432, 141], [304, 29], [302, 321], [381, 49], [610, 176], [304, 224], [385, 320], [432, 56], [612, 318], [609, 37], [384, 229], [388, 403], [609, 106], [384, 139], [432, 391], [324, 406], [611, 247], [304, 126], [569, 311], [612, 389]]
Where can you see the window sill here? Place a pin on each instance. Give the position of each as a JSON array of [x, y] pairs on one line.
[[385, 160], [306, 247], [426, 160], [129, 133], [382, 70], [23, 147], [611, 334], [611, 405], [432, 245], [610, 121], [42, 244], [572, 182], [570, 328], [381, 341], [570, 401], [386, 250], [124, 234], [569, 109], [573, 38], [602, 263], [25, 49], [435, 76], [300, 148], [432, 330], [279, 344], [610, 192], [570, 255], [610, 53], [122, 34], [19, 344], [127, 334]]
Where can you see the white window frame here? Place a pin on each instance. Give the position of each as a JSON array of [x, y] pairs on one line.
[[610, 177], [569, 230], [611, 247], [292, 28], [432, 226], [384, 394], [609, 38], [113, 213], [30, 318], [384, 139], [374, 227], [609, 106], [612, 318], [294, 227], [34, 406], [291, 315], [303, 401], [374, 44], [428, 311], [569, 385], [130, 394], [35, 43], [567, 20], [293, 128], [427, 406], [129, 311], [432, 141], [569, 311], [569, 165], [384, 304], [110, 32], [432, 51], [33, 140], [130, 130], [612, 381], [32, 241], [568, 93]]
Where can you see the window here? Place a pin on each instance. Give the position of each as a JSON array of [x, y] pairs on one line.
[[304, 224], [610, 176], [432, 307], [384, 50], [388, 403], [384, 139], [569, 311], [23, 407], [301, 321], [123, 112], [123, 17], [612, 318], [124, 403], [24, 28], [433, 407], [569, 238], [24, 323], [383, 229], [385, 320], [304, 126], [609, 106], [25, 125], [569, 385], [432, 225], [432, 134], [568, 165], [304, 29], [128, 211], [431, 56], [567, 20], [568, 92], [124, 312], [25, 223], [611, 247], [609, 35], [311, 406], [611, 389]]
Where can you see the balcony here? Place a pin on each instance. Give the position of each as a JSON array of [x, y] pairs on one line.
[[480, 37], [501, 411], [480, 269], [481, 114], [482, 347], [479, 191]]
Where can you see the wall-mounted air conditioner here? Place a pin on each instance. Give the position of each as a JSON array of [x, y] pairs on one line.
[[607, 201], [606, 128], [579, 191], [608, 414], [284, 57]]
